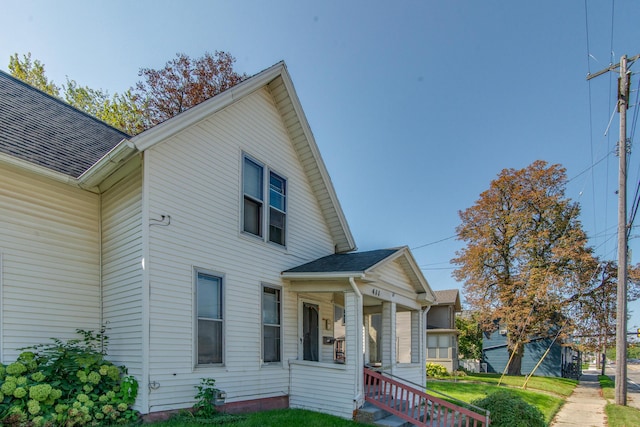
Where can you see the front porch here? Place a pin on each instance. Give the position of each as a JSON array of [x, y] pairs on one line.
[[356, 310]]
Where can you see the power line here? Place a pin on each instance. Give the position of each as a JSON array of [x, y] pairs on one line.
[[433, 243]]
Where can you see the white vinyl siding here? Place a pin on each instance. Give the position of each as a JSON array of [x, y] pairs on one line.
[[49, 244], [196, 178], [122, 271]]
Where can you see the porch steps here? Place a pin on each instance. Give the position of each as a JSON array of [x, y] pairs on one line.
[[371, 414]]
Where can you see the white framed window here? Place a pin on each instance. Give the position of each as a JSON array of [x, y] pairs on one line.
[[210, 318], [438, 346], [253, 195], [277, 208], [258, 182], [271, 324]]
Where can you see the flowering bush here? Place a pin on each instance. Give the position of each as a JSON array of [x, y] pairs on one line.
[[435, 370], [66, 384]]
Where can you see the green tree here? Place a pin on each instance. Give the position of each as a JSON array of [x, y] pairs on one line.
[[162, 94], [32, 73], [470, 337], [525, 254]]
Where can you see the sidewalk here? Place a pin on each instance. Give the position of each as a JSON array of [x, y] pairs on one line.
[[585, 406]]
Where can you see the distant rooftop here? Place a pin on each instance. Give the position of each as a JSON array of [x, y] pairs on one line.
[[448, 297]]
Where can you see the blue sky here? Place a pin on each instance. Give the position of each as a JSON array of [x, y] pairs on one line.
[[416, 105]]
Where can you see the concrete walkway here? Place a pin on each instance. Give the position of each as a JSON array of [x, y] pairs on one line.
[[585, 406]]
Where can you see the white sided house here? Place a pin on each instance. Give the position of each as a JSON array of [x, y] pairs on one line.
[[211, 246]]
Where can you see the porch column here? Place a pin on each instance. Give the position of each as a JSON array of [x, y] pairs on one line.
[[354, 345], [388, 338], [367, 346], [416, 336], [422, 343]]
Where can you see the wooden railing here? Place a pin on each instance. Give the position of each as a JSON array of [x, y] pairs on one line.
[[416, 406]]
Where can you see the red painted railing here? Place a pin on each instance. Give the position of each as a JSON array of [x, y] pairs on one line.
[[416, 406]]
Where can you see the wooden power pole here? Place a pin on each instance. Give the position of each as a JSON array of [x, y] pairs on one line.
[[621, 306]]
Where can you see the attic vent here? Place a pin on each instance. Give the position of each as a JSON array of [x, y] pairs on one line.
[[503, 331]]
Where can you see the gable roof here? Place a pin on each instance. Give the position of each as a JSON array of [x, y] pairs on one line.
[[277, 80], [43, 130], [49, 137], [449, 297], [362, 265]]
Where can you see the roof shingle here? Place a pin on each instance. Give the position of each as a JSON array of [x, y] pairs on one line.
[[44, 130], [349, 262]]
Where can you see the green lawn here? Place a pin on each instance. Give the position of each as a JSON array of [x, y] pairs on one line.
[[617, 415], [468, 391], [561, 386]]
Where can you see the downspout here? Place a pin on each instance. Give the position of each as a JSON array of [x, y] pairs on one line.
[[359, 374]]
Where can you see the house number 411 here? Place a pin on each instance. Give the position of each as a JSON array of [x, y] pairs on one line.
[[375, 292]]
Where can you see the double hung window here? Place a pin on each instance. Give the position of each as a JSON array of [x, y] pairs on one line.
[[209, 318], [271, 322], [255, 178]]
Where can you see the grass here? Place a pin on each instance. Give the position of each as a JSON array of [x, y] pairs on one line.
[[560, 386], [468, 391], [622, 416], [617, 415], [607, 385], [274, 418]]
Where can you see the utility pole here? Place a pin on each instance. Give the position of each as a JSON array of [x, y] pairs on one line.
[[621, 306]]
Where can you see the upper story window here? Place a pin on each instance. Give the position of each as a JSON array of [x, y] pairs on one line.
[[277, 208], [255, 178], [252, 178]]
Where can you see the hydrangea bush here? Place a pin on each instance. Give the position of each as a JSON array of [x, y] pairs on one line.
[[66, 384]]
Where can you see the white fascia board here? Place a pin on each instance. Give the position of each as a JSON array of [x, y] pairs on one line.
[[322, 276], [203, 110], [297, 106], [38, 170], [104, 167]]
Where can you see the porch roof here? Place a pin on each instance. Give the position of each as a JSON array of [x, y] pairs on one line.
[[356, 262], [370, 269]]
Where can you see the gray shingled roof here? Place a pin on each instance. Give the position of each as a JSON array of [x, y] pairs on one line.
[[448, 297], [350, 262], [46, 131]]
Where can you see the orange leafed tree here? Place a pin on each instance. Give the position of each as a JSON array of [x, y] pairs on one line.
[[183, 83], [526, 254]]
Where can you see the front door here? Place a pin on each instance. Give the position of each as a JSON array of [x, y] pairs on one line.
[[310, 332]]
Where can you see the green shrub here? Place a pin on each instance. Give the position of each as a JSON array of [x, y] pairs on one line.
[[510, 410], [435, 370], [66, 384]]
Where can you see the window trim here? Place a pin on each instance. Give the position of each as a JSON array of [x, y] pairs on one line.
[[246, 158], [283, 211], [221, 277], [263, 324], [265, 203]]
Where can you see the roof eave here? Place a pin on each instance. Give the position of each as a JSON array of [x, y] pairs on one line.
[[38, 170], [108, 164], [322, 276]]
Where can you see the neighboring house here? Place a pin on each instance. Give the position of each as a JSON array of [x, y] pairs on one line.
[[442, 335], [211, 246], [561, 360]]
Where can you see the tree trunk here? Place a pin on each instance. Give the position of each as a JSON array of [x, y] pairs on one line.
[[515, 366]]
